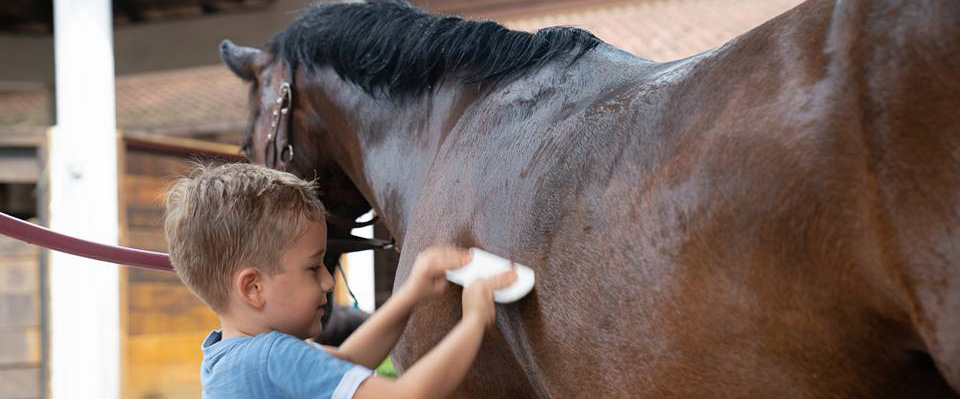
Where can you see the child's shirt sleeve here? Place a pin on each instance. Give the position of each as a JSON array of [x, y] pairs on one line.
[[303, 370]]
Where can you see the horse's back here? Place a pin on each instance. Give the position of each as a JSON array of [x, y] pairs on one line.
[[715, 227]]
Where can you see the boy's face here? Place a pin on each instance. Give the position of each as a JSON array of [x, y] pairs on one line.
[[295, 298]]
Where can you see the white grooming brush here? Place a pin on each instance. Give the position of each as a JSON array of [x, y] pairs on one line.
[[485, 265]]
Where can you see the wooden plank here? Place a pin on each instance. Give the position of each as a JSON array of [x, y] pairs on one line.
[[145, 191], [164, 381], [144, 275], [149, 240], [20, 383], [170, 167], [19, 274], [11, 247], [161, 349], [144, 218], [20, 347], [19, 309], [181, 146], [169, 297], [18, 198], [163, 308], [22, 140], [19, 170], [199, 318]]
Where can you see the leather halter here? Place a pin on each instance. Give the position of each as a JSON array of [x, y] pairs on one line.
[[279, 124], [278, 154]]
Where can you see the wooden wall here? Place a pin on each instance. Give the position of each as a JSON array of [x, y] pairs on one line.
[[165, 324], [20, 342], [21, 295]]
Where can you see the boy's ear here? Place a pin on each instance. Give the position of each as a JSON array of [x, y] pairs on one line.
[[249, 285]]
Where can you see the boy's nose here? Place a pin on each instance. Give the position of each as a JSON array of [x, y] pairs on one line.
[[326, 280]]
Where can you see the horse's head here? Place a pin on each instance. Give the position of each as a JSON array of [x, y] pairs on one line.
[[276, 134], [346, 95]]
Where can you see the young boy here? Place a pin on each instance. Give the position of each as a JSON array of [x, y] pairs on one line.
[[249, 241]]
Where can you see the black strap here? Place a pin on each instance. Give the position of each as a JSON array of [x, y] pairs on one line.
[[356, 244], [279, 145]]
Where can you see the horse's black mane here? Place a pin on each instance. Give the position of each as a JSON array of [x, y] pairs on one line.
[[393, 47]]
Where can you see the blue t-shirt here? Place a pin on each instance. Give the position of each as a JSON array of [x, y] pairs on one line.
[[275, 365]]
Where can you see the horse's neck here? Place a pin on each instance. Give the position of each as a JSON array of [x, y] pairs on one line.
[[392, 145], [399, 140]]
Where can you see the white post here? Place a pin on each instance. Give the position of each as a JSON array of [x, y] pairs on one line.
[[360, 271], [84, 294]]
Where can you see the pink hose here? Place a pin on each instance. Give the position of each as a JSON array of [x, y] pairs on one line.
[[37, 235]]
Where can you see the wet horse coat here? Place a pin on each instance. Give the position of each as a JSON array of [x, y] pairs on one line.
[[773, 218]]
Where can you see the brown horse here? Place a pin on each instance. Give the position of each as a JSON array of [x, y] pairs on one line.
[[775, 218]]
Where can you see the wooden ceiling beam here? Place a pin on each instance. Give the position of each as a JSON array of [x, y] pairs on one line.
[[156, 46], [131, 10]]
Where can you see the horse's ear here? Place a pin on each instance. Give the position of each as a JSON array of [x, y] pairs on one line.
[[241, 60]]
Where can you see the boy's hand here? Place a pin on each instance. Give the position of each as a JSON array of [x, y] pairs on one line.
[[478, 296], [428, 277]]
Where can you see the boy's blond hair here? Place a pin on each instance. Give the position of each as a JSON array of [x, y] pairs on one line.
[[220, 219]]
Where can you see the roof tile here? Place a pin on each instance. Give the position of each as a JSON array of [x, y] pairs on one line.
[[210, 103]]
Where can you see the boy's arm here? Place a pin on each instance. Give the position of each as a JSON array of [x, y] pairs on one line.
[[373, 340], [438, 373], [442, 369]]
